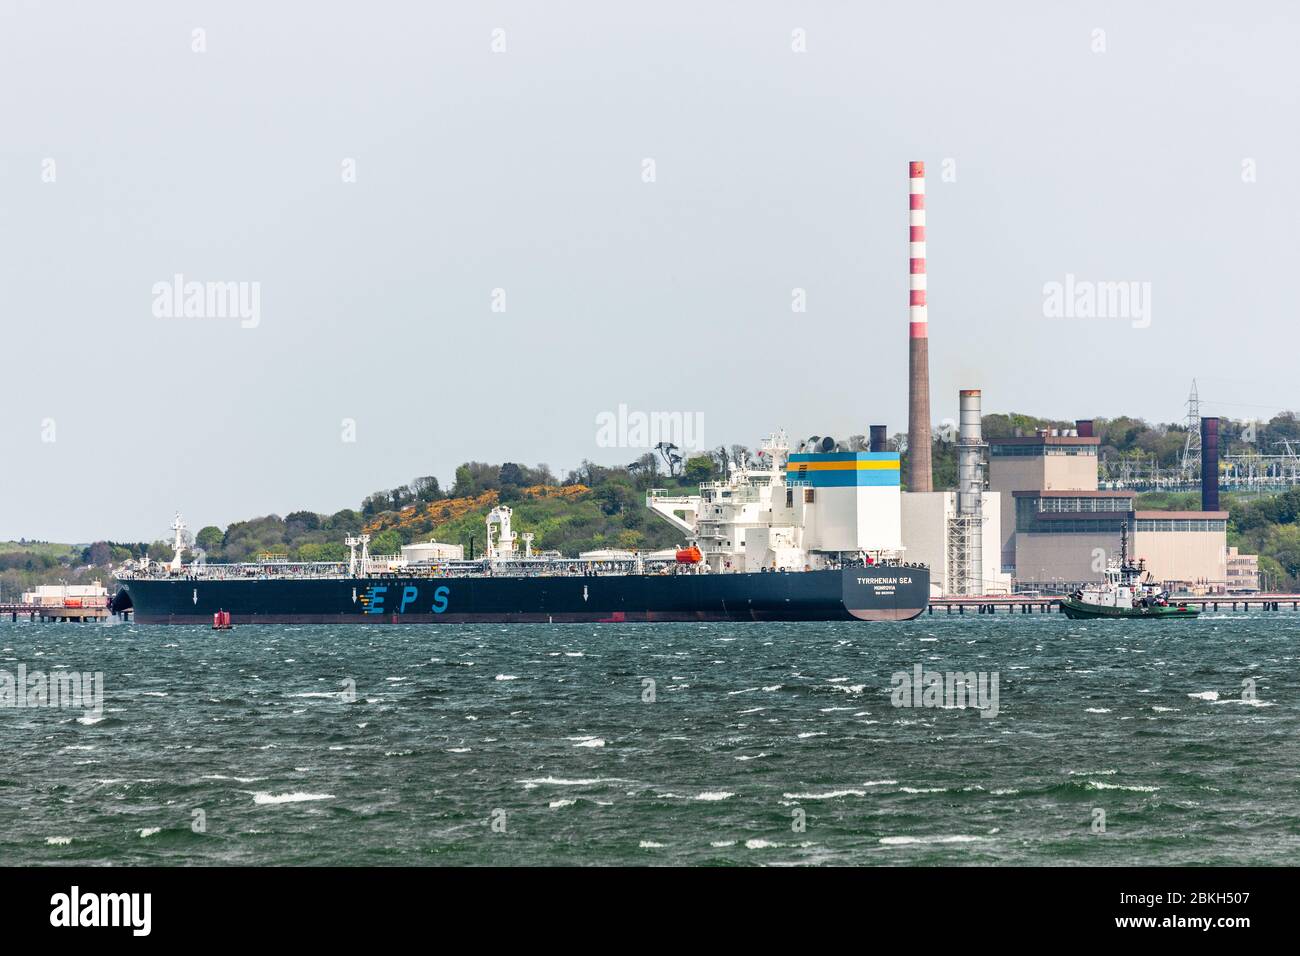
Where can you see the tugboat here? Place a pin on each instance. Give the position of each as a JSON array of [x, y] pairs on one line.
[[1124, 593]]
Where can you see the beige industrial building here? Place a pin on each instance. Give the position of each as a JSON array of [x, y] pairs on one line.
[[1243, 573], [1186, 550], [1059, 531], [1043, 462], [1062, 539], [927, 520]]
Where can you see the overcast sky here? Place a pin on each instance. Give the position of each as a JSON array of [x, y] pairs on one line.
[[1152, 143]]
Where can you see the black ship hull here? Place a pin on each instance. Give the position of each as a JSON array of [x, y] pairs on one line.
[[875, 593]]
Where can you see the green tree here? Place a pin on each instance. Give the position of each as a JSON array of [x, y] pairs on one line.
[[616, 498], [300, 521], [700, 468], [386, 542], [463, 486], [511, 474], [210, 539], [343, 522], [160, 551], [426, 489], [322, 551]]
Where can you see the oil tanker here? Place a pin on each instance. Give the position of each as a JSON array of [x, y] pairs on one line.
[[812, 535]]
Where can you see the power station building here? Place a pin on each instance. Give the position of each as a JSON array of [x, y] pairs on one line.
[[1048, 461], [1042, 520], [1058, 531]]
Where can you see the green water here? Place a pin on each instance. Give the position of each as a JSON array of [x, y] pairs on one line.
[[763, 744]]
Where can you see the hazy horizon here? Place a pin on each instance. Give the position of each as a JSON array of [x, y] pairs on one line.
[[447, 223]]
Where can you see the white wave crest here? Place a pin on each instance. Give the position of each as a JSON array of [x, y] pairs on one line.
[[829, 795], [1098, 785], [273, 798]]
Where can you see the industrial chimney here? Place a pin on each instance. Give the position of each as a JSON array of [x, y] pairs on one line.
[[879, 442], [919, 475], [970, 479], [1209, 464], [967, 537]]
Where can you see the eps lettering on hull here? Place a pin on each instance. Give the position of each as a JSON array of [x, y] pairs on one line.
[[376, 600]]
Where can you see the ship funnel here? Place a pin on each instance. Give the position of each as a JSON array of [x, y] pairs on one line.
[[878, 439]]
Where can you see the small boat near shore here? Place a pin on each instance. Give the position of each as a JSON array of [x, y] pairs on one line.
[[1125, 591]]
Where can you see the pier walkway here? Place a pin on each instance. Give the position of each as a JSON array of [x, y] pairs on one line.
[[1040, 604]]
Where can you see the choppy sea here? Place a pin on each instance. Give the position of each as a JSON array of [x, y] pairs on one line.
[[1113, 743]]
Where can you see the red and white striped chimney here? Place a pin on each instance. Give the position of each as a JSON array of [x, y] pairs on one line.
[[916, 235], [919, 471]]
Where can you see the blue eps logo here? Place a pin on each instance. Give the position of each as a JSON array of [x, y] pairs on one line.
[[374, 599]]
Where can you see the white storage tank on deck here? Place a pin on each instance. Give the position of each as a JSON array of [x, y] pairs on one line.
[[431, 552], [607, 554]]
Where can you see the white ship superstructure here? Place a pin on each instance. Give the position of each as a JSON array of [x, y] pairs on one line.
[[827, 503]]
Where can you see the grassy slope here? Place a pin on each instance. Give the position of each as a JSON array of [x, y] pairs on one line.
[[564, 518], [58, 552]]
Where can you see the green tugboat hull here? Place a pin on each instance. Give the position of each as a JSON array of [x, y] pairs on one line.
[[1078, 611]]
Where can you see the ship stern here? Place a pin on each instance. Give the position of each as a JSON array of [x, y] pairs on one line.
[[885, 592]]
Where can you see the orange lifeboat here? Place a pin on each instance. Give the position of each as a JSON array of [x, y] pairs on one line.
[[689, 555]]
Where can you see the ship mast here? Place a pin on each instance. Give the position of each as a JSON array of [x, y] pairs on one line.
[[352, 542], [179, 541]]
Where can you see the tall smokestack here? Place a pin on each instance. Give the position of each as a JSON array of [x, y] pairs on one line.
[[919, 475], [970, 492], [970, 442], [879, 440], [1209, 464]]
